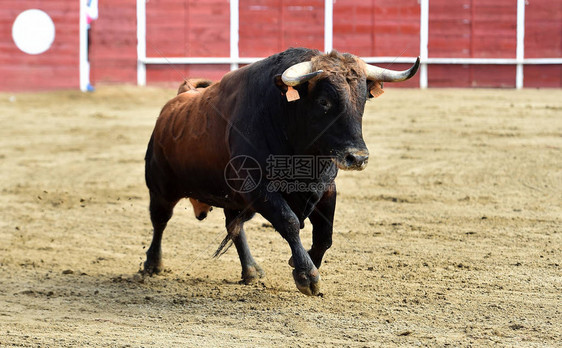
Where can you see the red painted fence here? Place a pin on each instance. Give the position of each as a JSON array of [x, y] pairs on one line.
[[58, 66], [369, 28]]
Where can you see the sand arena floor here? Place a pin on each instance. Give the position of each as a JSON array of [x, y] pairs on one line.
[[451, 236]]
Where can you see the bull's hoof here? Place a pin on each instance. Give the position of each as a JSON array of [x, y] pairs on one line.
[[152, 267], [314, 256], [308, 282], [252, 273]]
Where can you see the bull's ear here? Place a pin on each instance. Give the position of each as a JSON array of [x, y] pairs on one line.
[[370, 85], [292, 93], [374, 89], [280, 84]]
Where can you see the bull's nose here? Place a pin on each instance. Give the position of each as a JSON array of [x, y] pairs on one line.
[[356, 159]]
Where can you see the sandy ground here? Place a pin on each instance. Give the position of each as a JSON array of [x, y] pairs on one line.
[[451, 236]]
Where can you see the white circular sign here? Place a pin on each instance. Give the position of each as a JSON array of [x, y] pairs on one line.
[[33, 31]]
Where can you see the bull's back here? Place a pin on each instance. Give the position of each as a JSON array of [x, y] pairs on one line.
[[189, 147]]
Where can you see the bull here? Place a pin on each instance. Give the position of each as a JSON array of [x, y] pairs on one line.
[[213, 142]]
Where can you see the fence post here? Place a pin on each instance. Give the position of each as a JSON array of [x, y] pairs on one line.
[[83, 47], [424, 37], [234, 33], [141, 42], [328, 25], [520, 51]]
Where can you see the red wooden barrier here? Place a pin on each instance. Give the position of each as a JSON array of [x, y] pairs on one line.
[[56, 68], [543, 39], [268, 27], [113, 47], [190, 28], [388, 28], [180, 28]]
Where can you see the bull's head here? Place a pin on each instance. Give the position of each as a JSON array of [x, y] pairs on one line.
[[333, 90]]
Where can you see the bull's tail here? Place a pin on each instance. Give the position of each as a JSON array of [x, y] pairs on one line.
[[193, 84], [226, 242]]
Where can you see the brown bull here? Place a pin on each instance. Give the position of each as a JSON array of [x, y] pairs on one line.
[[200, 209], [220, 143]]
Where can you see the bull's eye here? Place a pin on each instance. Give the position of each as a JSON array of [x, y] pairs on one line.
[[324, 103]]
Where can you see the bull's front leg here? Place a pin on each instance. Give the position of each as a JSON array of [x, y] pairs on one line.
[[322, 219], [276, 210]]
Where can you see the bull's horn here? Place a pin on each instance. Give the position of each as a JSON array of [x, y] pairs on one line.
[[299, 73], [385, 75]]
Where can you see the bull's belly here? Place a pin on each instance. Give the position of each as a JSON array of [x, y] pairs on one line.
[[210, 187]]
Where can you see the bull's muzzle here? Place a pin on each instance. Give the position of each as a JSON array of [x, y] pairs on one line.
[[353, 159]]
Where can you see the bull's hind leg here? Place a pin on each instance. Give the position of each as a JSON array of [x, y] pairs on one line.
[[160, 213], [235, 228]]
